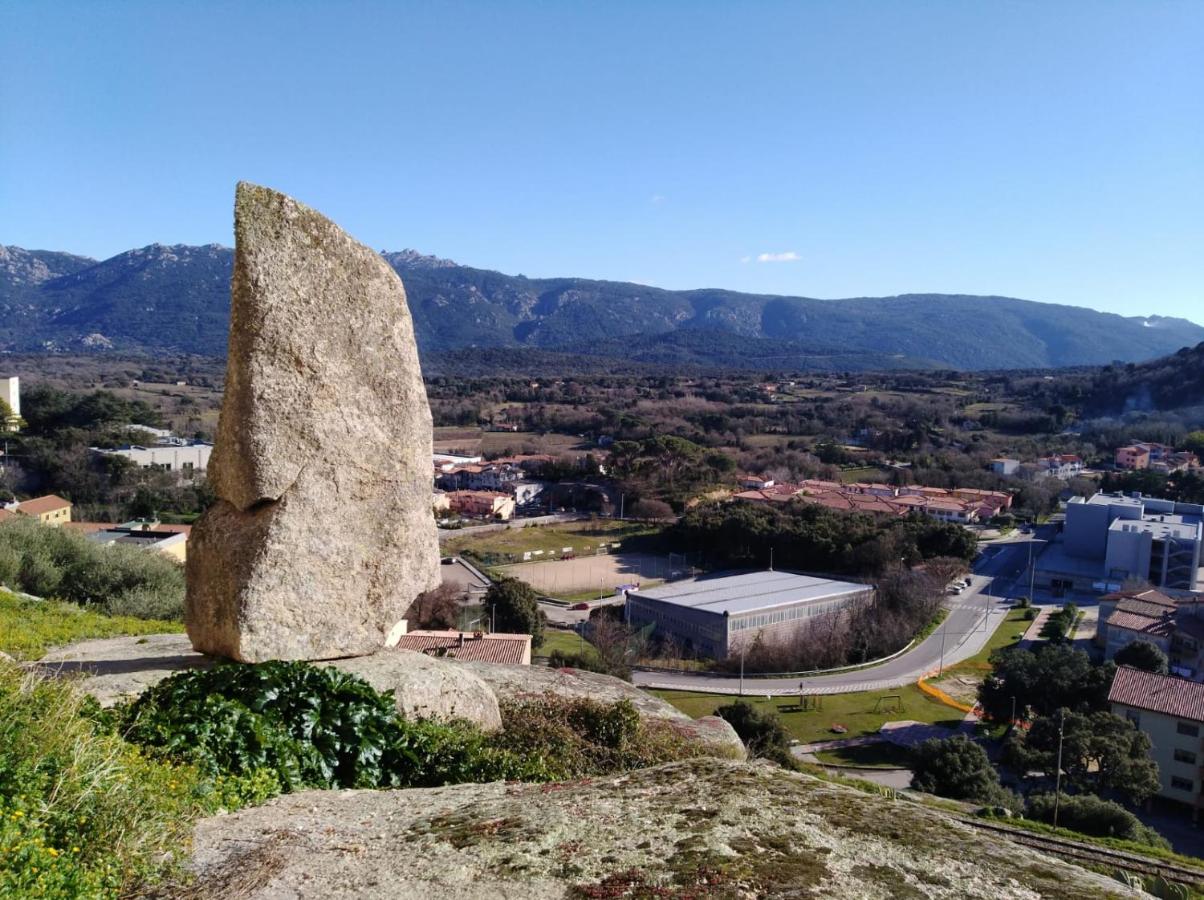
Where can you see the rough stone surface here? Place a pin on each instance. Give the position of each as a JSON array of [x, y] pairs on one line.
[[424, 687], [120, 668], [322, 535], [701, 828], [517, 682]]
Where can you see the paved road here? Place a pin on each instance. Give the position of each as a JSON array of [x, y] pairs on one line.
[[1000, 573]]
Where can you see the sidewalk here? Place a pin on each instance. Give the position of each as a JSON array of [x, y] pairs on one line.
[[1033, 632]]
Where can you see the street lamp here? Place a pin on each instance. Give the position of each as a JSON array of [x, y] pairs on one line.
[[1058, 776]]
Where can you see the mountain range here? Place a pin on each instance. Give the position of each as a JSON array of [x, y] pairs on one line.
[[177, 299]]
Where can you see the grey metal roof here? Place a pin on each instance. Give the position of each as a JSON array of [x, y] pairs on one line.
[[749, 591]]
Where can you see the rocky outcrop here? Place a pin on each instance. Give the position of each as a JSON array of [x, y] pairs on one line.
[[427, 688], [322, 535], [701, 828], [121, 668]]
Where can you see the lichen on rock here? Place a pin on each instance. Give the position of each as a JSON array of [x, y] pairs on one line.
[[700, 828]]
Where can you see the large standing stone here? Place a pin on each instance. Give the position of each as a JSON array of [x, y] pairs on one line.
[[322, 534]]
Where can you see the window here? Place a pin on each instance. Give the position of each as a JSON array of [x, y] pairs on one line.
[[1189, 728], [1181, 784], [1185, 756], [1134, 717]]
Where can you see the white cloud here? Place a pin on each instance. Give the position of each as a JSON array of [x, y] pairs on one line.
[[788, 256], [658, 199]]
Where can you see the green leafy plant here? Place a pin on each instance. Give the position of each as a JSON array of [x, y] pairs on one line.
[[311, 727]]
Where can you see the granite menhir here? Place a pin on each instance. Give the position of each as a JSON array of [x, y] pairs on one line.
[[322, 534]]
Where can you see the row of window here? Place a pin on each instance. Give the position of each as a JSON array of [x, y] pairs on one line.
[[777, 616]]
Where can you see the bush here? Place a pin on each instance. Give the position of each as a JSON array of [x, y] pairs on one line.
[[1089, 814], [1143, 655], [587, 662], [310, 726], [573, 738], [960, 769], [82, 813], [56, 562], [761, 730]]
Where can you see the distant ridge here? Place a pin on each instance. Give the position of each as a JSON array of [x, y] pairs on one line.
[[175, 298]]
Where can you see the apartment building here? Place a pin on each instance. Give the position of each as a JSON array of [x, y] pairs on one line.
[[1170, 711]]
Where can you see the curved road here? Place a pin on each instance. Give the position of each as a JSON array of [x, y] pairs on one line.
[[999, 572]]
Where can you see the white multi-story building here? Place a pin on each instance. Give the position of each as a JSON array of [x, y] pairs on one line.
[[10, 393], [187, 459]]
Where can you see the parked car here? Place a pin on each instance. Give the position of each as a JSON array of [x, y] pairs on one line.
[[966, 581], [579, 606], [955, 589]]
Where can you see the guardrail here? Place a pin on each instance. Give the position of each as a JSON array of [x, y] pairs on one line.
[[810, 673]]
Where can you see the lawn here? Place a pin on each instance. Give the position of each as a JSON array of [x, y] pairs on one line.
[[584, 537], [861, 713], [564, 641], [862, 473], [28, 628]]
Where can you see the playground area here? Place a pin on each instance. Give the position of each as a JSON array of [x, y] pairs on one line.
[[602, 573]]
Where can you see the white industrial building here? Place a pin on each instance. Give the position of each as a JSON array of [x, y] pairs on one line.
[[715, 615], [186, 459]]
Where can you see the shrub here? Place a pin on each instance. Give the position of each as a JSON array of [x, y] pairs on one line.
[[587, 662], [55, 562], [1143, 655], [1089, 814], [310, 726], [761, 730], [960, 769], [82, 813], [572, 738]]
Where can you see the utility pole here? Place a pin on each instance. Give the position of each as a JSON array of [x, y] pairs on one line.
[[1058, 776], [741, 670], [1013, 710], [622, 498]]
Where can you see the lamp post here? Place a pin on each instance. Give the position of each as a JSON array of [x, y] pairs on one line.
[[1058, 775], [741, 670]]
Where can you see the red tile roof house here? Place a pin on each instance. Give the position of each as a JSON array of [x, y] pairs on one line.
[[511, 649], [1171, 712], [49, 510]]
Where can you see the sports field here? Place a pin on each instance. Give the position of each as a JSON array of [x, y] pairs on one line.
[[603, 573]]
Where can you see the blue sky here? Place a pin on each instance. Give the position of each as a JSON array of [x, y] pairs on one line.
[[1047, 150]]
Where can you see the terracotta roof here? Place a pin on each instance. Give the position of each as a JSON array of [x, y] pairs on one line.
[[1159, 627], [39, 505], [492, 648], [1149, 595], [1158, 693], [1149, 609]]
